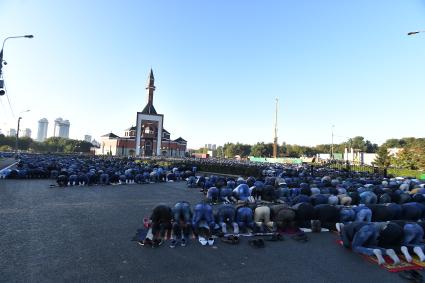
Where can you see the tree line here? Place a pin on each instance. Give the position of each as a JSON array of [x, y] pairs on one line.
[[411, 154], [53, 144], [262, 149]]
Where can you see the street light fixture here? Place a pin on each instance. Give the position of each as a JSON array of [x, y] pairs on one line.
[[2, 91], [415, 32], [17, 130]]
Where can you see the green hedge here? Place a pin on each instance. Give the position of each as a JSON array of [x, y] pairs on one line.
[[406, 173]]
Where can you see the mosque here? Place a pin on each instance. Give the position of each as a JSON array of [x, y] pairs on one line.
[[147, 138]]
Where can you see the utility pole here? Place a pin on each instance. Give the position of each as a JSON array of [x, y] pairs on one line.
[[275, 131], [17, 137], [332, 146]]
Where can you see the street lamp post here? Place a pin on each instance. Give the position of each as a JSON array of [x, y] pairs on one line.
[[17, 131], [2, 91], [17, 136], [415, 32], [332, 146]]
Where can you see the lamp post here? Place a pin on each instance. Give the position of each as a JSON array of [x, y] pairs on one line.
[[17, 131], [332, 146], [2, 91]]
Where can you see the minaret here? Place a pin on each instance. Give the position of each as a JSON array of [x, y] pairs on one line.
[[149, 109], [150, 87]]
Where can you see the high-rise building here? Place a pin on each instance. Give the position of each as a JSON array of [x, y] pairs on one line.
[[56, 127], [12, 132], [27, 132], [61, 128], [42, 129], [64, 129], [210, 146], [87, 138]]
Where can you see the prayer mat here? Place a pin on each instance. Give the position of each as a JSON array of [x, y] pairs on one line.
[[404, 265]]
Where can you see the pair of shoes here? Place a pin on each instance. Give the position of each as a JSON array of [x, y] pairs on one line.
[[206, 242], [275, 237], [231, 239], [257, 243], [411, 275], [157, 243], [300, 237], [145, 243]]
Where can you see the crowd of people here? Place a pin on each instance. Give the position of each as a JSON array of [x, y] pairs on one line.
[[374, 215], [84, 170]]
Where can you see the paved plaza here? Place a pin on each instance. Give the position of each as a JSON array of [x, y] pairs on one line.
[[83, 234]]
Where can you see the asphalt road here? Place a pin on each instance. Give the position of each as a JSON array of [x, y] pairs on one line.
[[83, 235]]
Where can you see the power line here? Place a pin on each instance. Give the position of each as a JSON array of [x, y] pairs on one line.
[[8, 100]]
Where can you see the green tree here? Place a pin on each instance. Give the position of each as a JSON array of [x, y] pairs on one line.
[[220, 151], [259, 150], [390, 143], [382, 159], [229, 150], [242, 150]]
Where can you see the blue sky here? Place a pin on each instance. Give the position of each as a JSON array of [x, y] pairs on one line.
[[218, 67]]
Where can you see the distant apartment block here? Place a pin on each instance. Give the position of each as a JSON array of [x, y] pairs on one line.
[[42, 129], [61, 128]]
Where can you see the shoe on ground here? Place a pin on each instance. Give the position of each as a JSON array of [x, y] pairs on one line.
[[157, 243], [147, 242], [230, 240], [203, 241], [173, 244], [210, 241], [316, 226], [183, 243]]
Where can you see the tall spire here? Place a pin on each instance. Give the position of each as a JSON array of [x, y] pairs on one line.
[[150, 87], [149, 109]]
